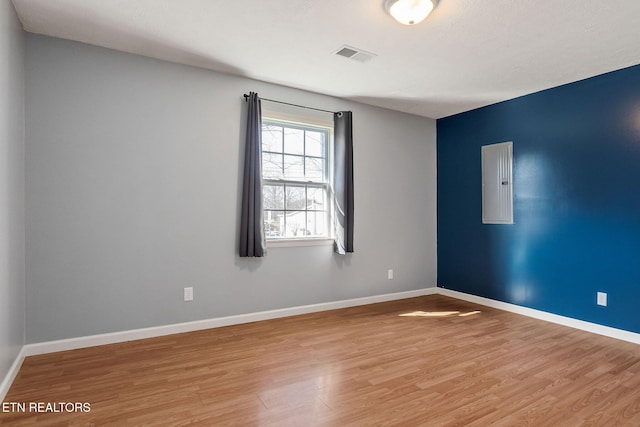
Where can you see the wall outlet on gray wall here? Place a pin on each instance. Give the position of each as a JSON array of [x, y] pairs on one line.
[[188, 293]]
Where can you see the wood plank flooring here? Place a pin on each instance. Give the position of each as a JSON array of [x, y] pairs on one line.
[[427, 361]]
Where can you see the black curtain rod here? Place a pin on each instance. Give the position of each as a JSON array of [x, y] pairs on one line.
[[246, 97]]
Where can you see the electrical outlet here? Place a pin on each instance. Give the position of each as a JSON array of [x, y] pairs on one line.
[[390, 274], [188, 293], [601, 298]]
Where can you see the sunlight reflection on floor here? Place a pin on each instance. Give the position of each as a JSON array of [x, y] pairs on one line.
[[439, 314]]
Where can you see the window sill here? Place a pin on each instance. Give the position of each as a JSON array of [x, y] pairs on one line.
[[288, 243]]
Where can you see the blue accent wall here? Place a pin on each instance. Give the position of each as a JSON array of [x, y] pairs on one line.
[[576, 201]]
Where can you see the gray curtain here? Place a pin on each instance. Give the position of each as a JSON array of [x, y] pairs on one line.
[[343, 182], [252, 238]]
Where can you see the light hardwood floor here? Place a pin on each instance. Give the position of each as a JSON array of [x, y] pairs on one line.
[[450, 363]]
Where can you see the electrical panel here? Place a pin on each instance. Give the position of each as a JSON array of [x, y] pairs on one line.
[[497, 183]]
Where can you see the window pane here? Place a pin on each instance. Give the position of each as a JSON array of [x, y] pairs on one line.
[[316, 224], [296, 198], [271, 166], [316, 198], [296, 208], [315, 169], [315, 144], [295, 224], [293, 141], [273, 196], [274, 223], [293, 167], [272, 138]]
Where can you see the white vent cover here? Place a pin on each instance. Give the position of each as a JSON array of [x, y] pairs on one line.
[[354, 53]]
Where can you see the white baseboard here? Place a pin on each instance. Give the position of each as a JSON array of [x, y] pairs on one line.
[[136, 334], [543, 315], [11, 375]]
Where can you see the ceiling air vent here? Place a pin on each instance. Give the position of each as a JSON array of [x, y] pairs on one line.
[[355, 53]]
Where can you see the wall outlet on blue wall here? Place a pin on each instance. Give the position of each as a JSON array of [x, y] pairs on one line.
[[602, 298]]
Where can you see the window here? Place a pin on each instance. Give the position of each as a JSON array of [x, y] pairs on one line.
[[295, 171]]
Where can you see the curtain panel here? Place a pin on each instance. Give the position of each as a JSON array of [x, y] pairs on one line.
[[343, 182], [252, 238]]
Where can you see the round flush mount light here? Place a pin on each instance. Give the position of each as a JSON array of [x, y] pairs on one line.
[[409, 12]]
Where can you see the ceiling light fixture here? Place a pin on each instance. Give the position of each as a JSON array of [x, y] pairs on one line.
[[409, 12]]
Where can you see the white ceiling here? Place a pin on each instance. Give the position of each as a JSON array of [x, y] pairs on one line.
[[467, 54]]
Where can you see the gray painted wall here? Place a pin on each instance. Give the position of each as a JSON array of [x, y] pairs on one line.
[[12, 267], [132, 188]]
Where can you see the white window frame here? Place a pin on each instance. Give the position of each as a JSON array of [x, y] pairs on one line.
[[311, 122]]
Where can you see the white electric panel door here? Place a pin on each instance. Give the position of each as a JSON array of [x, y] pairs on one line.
[[497, 183]]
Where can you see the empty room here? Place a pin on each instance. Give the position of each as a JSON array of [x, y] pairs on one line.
[[319, 213]]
